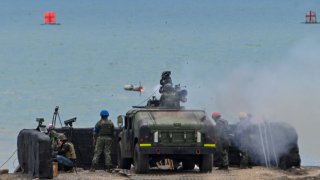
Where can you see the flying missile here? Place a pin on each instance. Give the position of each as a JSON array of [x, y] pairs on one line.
[[130, 87]]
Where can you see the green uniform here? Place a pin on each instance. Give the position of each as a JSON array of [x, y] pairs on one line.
[[66, 156], [53, 139], [222, 130], [104, 137]]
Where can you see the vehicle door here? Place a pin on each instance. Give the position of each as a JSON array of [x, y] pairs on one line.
[[127, 137]]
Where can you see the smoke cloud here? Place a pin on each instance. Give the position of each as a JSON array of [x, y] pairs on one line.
[[286, 90], [266, 142]]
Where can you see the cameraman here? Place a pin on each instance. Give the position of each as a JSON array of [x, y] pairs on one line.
[[66, 153]]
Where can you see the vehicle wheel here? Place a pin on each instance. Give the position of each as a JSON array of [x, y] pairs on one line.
[[283, 162], [296, 161], [206, 162], [187, 165], [288, 161], [123, 163], [141, 161]]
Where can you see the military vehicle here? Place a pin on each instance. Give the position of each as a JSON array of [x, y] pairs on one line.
[[161, 130], [165, 130]]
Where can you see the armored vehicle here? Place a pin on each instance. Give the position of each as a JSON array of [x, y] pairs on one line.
[[164, 130]]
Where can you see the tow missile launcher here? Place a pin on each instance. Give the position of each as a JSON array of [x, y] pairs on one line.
[[164, 130], [170, 96]]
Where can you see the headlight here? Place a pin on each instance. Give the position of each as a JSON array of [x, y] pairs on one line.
[[198, 137], [156, 136]]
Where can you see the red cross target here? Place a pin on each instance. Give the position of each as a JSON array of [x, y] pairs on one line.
[[311, 17], [50, 17]]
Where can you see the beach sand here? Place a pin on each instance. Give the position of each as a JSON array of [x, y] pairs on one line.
[[232, 173]]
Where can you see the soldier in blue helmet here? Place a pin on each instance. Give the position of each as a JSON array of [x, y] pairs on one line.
[[103, 137]]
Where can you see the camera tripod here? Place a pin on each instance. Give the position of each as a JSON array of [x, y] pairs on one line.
[[55, 115]]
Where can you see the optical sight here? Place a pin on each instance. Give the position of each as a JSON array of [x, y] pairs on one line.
[[70, 121]]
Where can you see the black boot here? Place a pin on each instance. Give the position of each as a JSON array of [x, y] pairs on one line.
[[109, 168]]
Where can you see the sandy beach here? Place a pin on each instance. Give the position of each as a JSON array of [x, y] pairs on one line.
[[232, 173]]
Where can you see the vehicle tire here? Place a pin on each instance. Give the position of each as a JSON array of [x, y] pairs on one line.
[[283, 163], [123, 163], [206, 162], [141, 161], [295, 160], [187, 165], [290, 160]]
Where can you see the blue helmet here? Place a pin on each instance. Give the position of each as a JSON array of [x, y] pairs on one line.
[[104, 113]]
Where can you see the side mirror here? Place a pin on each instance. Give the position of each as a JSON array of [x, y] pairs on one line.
[[120, 121]]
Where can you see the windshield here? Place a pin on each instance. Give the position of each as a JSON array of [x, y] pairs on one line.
[[177, 115]]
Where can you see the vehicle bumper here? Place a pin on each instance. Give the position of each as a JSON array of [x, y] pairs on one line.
[[177, 150]]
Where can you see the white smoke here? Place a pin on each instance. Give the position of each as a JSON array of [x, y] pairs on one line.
[[266, 142], [286, 90]]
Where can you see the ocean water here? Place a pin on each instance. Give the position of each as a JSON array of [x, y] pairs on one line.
[[231, 55]]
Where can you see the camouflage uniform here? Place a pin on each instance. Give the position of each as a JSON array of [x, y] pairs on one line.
[[222, 129], [66, 153], [53, 139], [104, 137]]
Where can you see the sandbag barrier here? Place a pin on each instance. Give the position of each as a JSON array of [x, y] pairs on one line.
[[34, 153]]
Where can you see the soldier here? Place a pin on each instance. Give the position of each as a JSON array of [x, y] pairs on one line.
[[53, 137], [243, 134], [66, 153], [223, 143], [103, 137]]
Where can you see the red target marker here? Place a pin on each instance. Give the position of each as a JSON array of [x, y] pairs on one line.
[[50, 18], [311, 17]]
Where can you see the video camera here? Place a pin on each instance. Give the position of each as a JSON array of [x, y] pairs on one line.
[[40, 127], [40, 120], [56, 109], [70, 121]]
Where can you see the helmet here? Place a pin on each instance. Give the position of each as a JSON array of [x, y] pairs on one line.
[[50, 127], [62, 137], [216, 114], [104, 113], [243, 115]]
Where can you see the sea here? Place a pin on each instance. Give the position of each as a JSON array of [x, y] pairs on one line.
[[231, 56]]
